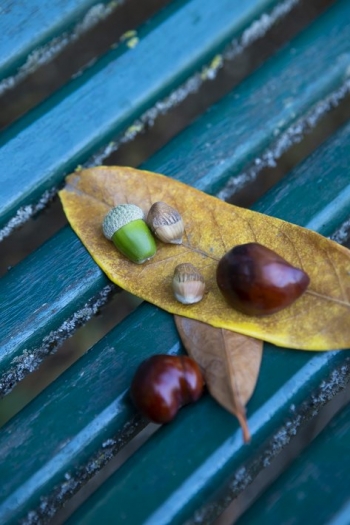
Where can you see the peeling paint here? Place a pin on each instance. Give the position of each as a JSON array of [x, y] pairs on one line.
[[29, 361], [336, 382], [342, 235], [46, 53], [193, 84], [25, 213], [73, 481], [293, 135]]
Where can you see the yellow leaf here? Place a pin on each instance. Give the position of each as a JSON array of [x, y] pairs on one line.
[[230, 363], [319, 320]]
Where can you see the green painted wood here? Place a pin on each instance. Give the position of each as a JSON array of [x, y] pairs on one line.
[[54, 289], [317, 189], [94, 399], [237, 119], [186, 461], [314, 488], [242, 126], [30, 24], [104, 100]]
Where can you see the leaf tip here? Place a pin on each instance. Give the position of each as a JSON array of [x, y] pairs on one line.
[[244, 426]]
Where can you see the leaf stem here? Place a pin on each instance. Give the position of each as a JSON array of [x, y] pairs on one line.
[[244, 426]]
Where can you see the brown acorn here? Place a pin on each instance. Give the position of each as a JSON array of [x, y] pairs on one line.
[[188, 284], [257, 281], [166, 223]]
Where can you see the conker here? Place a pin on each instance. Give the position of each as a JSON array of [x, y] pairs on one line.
[[163, 384], [257, 281]]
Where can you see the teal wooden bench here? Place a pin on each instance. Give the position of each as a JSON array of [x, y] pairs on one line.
[[197, 468]]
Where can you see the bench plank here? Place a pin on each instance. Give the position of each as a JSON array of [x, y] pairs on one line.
[[26, 26], [103, 377], [54, 287], [314, 488], [203, 155], [89, 406], [291, 84], [122, 85]]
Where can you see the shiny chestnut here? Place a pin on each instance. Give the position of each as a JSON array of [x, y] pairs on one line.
[[257, 281], [163, 384]]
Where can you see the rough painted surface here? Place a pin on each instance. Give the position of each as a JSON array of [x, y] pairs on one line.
[[313, 488], [72, 127], [27, 25], [209, 71], [268, 112], [53, 295]]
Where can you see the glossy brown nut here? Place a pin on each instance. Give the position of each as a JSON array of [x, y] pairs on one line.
[[257, 281], [163, 384]]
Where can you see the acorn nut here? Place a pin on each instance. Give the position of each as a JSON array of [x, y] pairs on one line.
[[163, 384], [166, 223], [125, 227], [188, 284], [257, 281]]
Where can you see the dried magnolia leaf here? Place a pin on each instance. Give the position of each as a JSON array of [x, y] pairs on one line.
[[319, 320], [229, 361]]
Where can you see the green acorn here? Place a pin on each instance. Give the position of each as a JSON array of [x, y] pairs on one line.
[[125, 227]]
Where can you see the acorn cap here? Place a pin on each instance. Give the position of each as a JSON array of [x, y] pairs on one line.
[[188, 284], [125, 227], [166, 223], [118, 217]]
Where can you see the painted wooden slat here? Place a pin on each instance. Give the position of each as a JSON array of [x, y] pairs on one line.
[[30, 24], [199, 456], [96, 406], [53, 295], [314, 488], [216, 146], [104, 100], [259, 111]]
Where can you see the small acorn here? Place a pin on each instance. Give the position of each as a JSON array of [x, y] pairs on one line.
[[166, 223], [125, 227], [188, 284], [257, 281]]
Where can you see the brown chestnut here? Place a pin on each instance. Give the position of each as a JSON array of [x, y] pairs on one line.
[[257, 281], [163, 384]]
